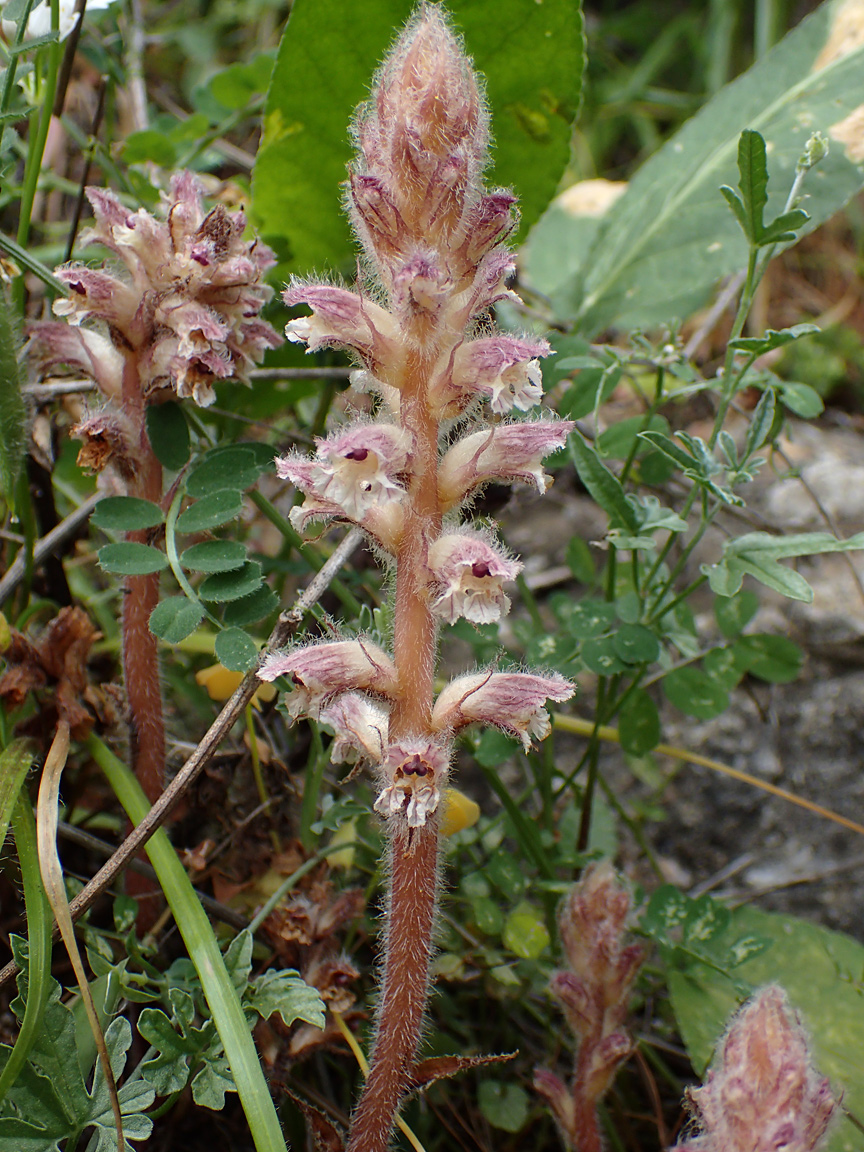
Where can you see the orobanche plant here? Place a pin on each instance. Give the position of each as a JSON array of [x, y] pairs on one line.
[[449, 389]]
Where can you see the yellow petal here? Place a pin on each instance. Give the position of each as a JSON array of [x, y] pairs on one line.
[[221, 683], [345, 834], [460, 811]]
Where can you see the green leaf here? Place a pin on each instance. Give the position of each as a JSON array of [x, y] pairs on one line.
[[801, 399], [236, 650], [168, 434], [695, 694], [179, 1045], [734, 613], [505, 1106], [505, 873], [585, 618], [15, 761], [238, 84], [149, 146], [525, 932], [821, 973], [250, 609], [174, 619], [722, 667], [670, 238], [759, 345], [591, 388], [287, 993], [488, 916], [13, 414], [235, 467], [600, 655], [222, 586], [636, 644], [776, 659], [530, 54], [753, 182], [214, 556], [128, 559], [579, 560], [211, 511], [639, 723], [495, 748], [126, 514], [603, 487], [757, 554]]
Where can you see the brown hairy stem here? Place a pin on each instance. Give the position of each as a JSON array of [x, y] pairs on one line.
[[141, 595], [413, 851]]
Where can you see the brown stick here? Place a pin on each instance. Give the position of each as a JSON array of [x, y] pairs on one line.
[[286, 626]]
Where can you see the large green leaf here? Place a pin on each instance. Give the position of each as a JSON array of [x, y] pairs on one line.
[[821, 972], [530, 54], [666, 242]]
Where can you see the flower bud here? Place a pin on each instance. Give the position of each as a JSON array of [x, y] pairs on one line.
[[762, 1090], [511, 701], [466, 578], [413, 774], [508, 452], [321, 671]]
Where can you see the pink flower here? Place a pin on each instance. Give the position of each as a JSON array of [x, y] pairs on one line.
[[467, 575], [762, 1091], [503, 369], [507, 452], [360, 727], [54, 344], [192, 293], [413, 772], [357, 469], [341, 319], [322, 671], [511, 701]]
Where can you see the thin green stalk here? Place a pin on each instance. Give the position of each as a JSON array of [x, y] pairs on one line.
[[312, 788], [40, 923], [13, 55], [204, 952], [54, 54], [525, 828]]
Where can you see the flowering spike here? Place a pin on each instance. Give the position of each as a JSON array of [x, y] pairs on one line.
[[321, 671], [466, 578], [508, 452], [762, 1090], [511, 701]]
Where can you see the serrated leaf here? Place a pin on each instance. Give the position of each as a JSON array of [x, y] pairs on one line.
[[287, 993], [222, 586], [211, 511], [603, 486], [168, 433], [214, 556], [236, 650], [665, 243], [179, 1044], [130, 559], [532, 67], [174, 619], [13, 414], [126, 514]]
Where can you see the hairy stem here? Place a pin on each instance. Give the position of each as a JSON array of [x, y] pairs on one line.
[[141, 595], [413, 851]]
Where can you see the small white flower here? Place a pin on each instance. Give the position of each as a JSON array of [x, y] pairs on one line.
[[467, 578], [414, 772]]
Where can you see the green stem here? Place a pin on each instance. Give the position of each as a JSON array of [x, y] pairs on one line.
[[34, 160], [204, 952]]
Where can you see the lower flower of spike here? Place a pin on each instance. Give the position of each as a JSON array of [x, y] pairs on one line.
[[467, 575], [322, 671], [414, 773], [360, 728]]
